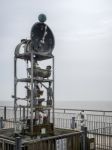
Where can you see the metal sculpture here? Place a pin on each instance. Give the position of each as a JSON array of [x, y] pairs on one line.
[[37, 121]]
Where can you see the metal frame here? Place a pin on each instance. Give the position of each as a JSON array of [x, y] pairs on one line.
[[16, 80]]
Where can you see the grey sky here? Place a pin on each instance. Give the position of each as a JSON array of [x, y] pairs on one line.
[[83, 50]]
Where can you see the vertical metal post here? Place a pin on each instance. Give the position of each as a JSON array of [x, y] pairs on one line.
[[27, 86], [18, 143], [1, 122], [31, 92], [5, 113], [73, 124], [15, 91], [23, 112], [84, 137], [20, 112], [109, 135], [53, 90], [47, 101], [104, 124], [48, 115]]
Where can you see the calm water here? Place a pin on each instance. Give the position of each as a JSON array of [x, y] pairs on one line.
[[97, 105]]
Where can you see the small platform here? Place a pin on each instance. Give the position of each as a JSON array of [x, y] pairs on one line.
[[39, 57]]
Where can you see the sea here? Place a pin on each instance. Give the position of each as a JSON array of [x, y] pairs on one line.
[[88, 105], [64, 119]]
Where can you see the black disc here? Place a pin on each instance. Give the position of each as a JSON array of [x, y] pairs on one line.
[[42, 38]]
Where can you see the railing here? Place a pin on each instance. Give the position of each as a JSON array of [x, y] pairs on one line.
[[64, 118], [6, 144], [94, 118], [103, 138], [98, 123], [68, 141]]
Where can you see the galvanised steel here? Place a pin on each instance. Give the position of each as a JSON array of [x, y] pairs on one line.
[[38, 48]]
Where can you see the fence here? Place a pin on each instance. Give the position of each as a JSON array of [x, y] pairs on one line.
[[68, 141], [6, 144], [65, 117], [103, 138], [94, 118], [99, 125]]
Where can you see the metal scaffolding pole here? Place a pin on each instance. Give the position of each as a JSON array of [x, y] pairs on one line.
[[27, 86], [31, 92], [53, 88], [15, 91]]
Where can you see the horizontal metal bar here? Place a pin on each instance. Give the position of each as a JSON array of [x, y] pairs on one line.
[[54, 137], [66, 109], [7, 140], [101, 134]]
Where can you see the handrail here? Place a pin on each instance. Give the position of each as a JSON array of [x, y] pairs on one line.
[[66, 109], [69, 109], [53, 137]]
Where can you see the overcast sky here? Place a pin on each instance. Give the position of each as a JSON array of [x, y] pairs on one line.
[[83, 50]]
